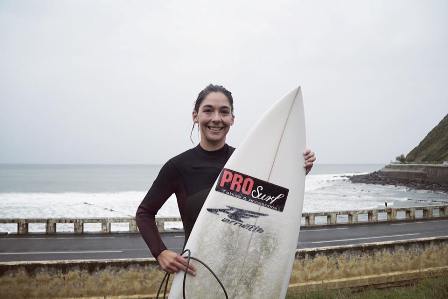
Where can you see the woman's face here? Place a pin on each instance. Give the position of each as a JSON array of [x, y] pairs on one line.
[[214, 118]]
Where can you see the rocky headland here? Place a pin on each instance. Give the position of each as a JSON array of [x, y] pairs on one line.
[[424, 167], [377, 177]]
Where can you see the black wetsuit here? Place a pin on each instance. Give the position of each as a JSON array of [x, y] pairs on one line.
[[190, 176]]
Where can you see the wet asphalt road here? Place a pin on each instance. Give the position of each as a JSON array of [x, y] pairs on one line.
[[40, 247]]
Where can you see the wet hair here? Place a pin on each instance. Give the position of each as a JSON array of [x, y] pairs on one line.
[[204, 93]]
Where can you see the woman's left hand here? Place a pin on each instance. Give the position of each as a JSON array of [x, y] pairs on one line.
[[309, 160]]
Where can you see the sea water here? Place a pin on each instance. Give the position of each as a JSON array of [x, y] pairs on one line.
[[70, 191]]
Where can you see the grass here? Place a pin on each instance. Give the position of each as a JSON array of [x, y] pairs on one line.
[[424, 289]]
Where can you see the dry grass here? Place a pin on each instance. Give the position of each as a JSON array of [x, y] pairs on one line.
[[424, 289]]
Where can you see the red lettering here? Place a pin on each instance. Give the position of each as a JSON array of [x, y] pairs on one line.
[[225, 178], [247, 186], [237, 180]]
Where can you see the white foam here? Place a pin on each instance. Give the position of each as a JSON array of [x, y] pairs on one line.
[[74, 204], [323, 192], [317, 181]]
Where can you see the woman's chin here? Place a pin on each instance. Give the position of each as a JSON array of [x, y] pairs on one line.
[[214, 139]]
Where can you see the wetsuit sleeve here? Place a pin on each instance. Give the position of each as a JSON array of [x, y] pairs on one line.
[[162, 188]]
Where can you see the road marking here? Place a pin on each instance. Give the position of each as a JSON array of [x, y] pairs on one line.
[[61, 252], [429, 221], [320, 229], [59, 238], [134, 249], [366, 238], [419, 222]]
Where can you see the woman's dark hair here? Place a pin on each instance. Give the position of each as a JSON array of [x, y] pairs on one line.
[[209, 89], [204, 93]]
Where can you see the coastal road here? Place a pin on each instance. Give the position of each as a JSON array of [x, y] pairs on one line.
[[40, 247]]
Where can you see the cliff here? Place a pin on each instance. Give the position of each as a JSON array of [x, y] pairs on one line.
[[434, 147]]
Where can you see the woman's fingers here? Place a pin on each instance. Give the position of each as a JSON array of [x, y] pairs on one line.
[[176, 266], [309, 157], [310, 160], [170, 269], [181, 267], [184, 263], [167, 261], [172, 262]]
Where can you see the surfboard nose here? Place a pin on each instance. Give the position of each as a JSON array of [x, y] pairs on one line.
[[295, 94], [269, 130]]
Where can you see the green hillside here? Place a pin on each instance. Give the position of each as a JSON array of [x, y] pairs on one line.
[[434, 147]]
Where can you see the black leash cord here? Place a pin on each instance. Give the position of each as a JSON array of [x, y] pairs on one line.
[[166, 278]]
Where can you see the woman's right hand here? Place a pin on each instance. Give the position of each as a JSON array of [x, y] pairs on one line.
[[172, 262]]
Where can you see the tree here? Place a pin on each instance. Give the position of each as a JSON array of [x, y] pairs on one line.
[[401, 158]]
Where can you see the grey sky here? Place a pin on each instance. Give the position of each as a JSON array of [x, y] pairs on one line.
[[115, 81]]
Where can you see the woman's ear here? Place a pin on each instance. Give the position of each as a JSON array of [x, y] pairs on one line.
[[194, 114]]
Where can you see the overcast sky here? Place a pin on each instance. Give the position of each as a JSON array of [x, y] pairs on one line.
[[115, 81]]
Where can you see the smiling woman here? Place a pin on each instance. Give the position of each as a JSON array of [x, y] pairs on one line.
[[213, 112], [191, 174]]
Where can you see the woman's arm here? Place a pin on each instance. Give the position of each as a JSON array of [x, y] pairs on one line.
[[163, 187]]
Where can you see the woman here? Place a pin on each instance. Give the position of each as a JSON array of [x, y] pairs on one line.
[[192, 174]]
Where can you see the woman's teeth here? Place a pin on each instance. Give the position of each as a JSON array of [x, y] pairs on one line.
[[215, 129]]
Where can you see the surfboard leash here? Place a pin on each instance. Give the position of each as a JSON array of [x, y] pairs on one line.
[[166, 278]]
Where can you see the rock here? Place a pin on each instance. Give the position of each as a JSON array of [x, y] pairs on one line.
[[376, 178]]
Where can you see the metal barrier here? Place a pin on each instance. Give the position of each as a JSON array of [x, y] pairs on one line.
[[308, 219], [391, 214]]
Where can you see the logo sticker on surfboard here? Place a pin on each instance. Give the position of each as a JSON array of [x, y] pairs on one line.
[[235, 216], [251, 189]]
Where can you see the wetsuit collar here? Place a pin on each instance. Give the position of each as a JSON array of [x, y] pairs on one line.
[[215, 152]]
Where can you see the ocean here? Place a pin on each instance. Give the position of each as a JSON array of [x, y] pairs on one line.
[[45, 191]]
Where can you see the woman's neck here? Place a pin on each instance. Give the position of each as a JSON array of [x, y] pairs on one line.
[[212, 146]]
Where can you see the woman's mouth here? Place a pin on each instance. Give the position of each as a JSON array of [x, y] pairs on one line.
[[215, 129]]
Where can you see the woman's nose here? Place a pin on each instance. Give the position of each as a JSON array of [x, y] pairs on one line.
[[216, 116]]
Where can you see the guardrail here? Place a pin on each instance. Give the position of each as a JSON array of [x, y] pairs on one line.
[[308, 219], [372, 216]]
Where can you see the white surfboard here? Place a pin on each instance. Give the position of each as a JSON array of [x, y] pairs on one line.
[[248, 228]]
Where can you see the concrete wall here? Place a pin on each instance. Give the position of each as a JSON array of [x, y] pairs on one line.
[[432, 173], [63, 279], [334, 267]]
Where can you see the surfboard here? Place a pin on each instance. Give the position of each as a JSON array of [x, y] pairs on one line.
[[248, 229]]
